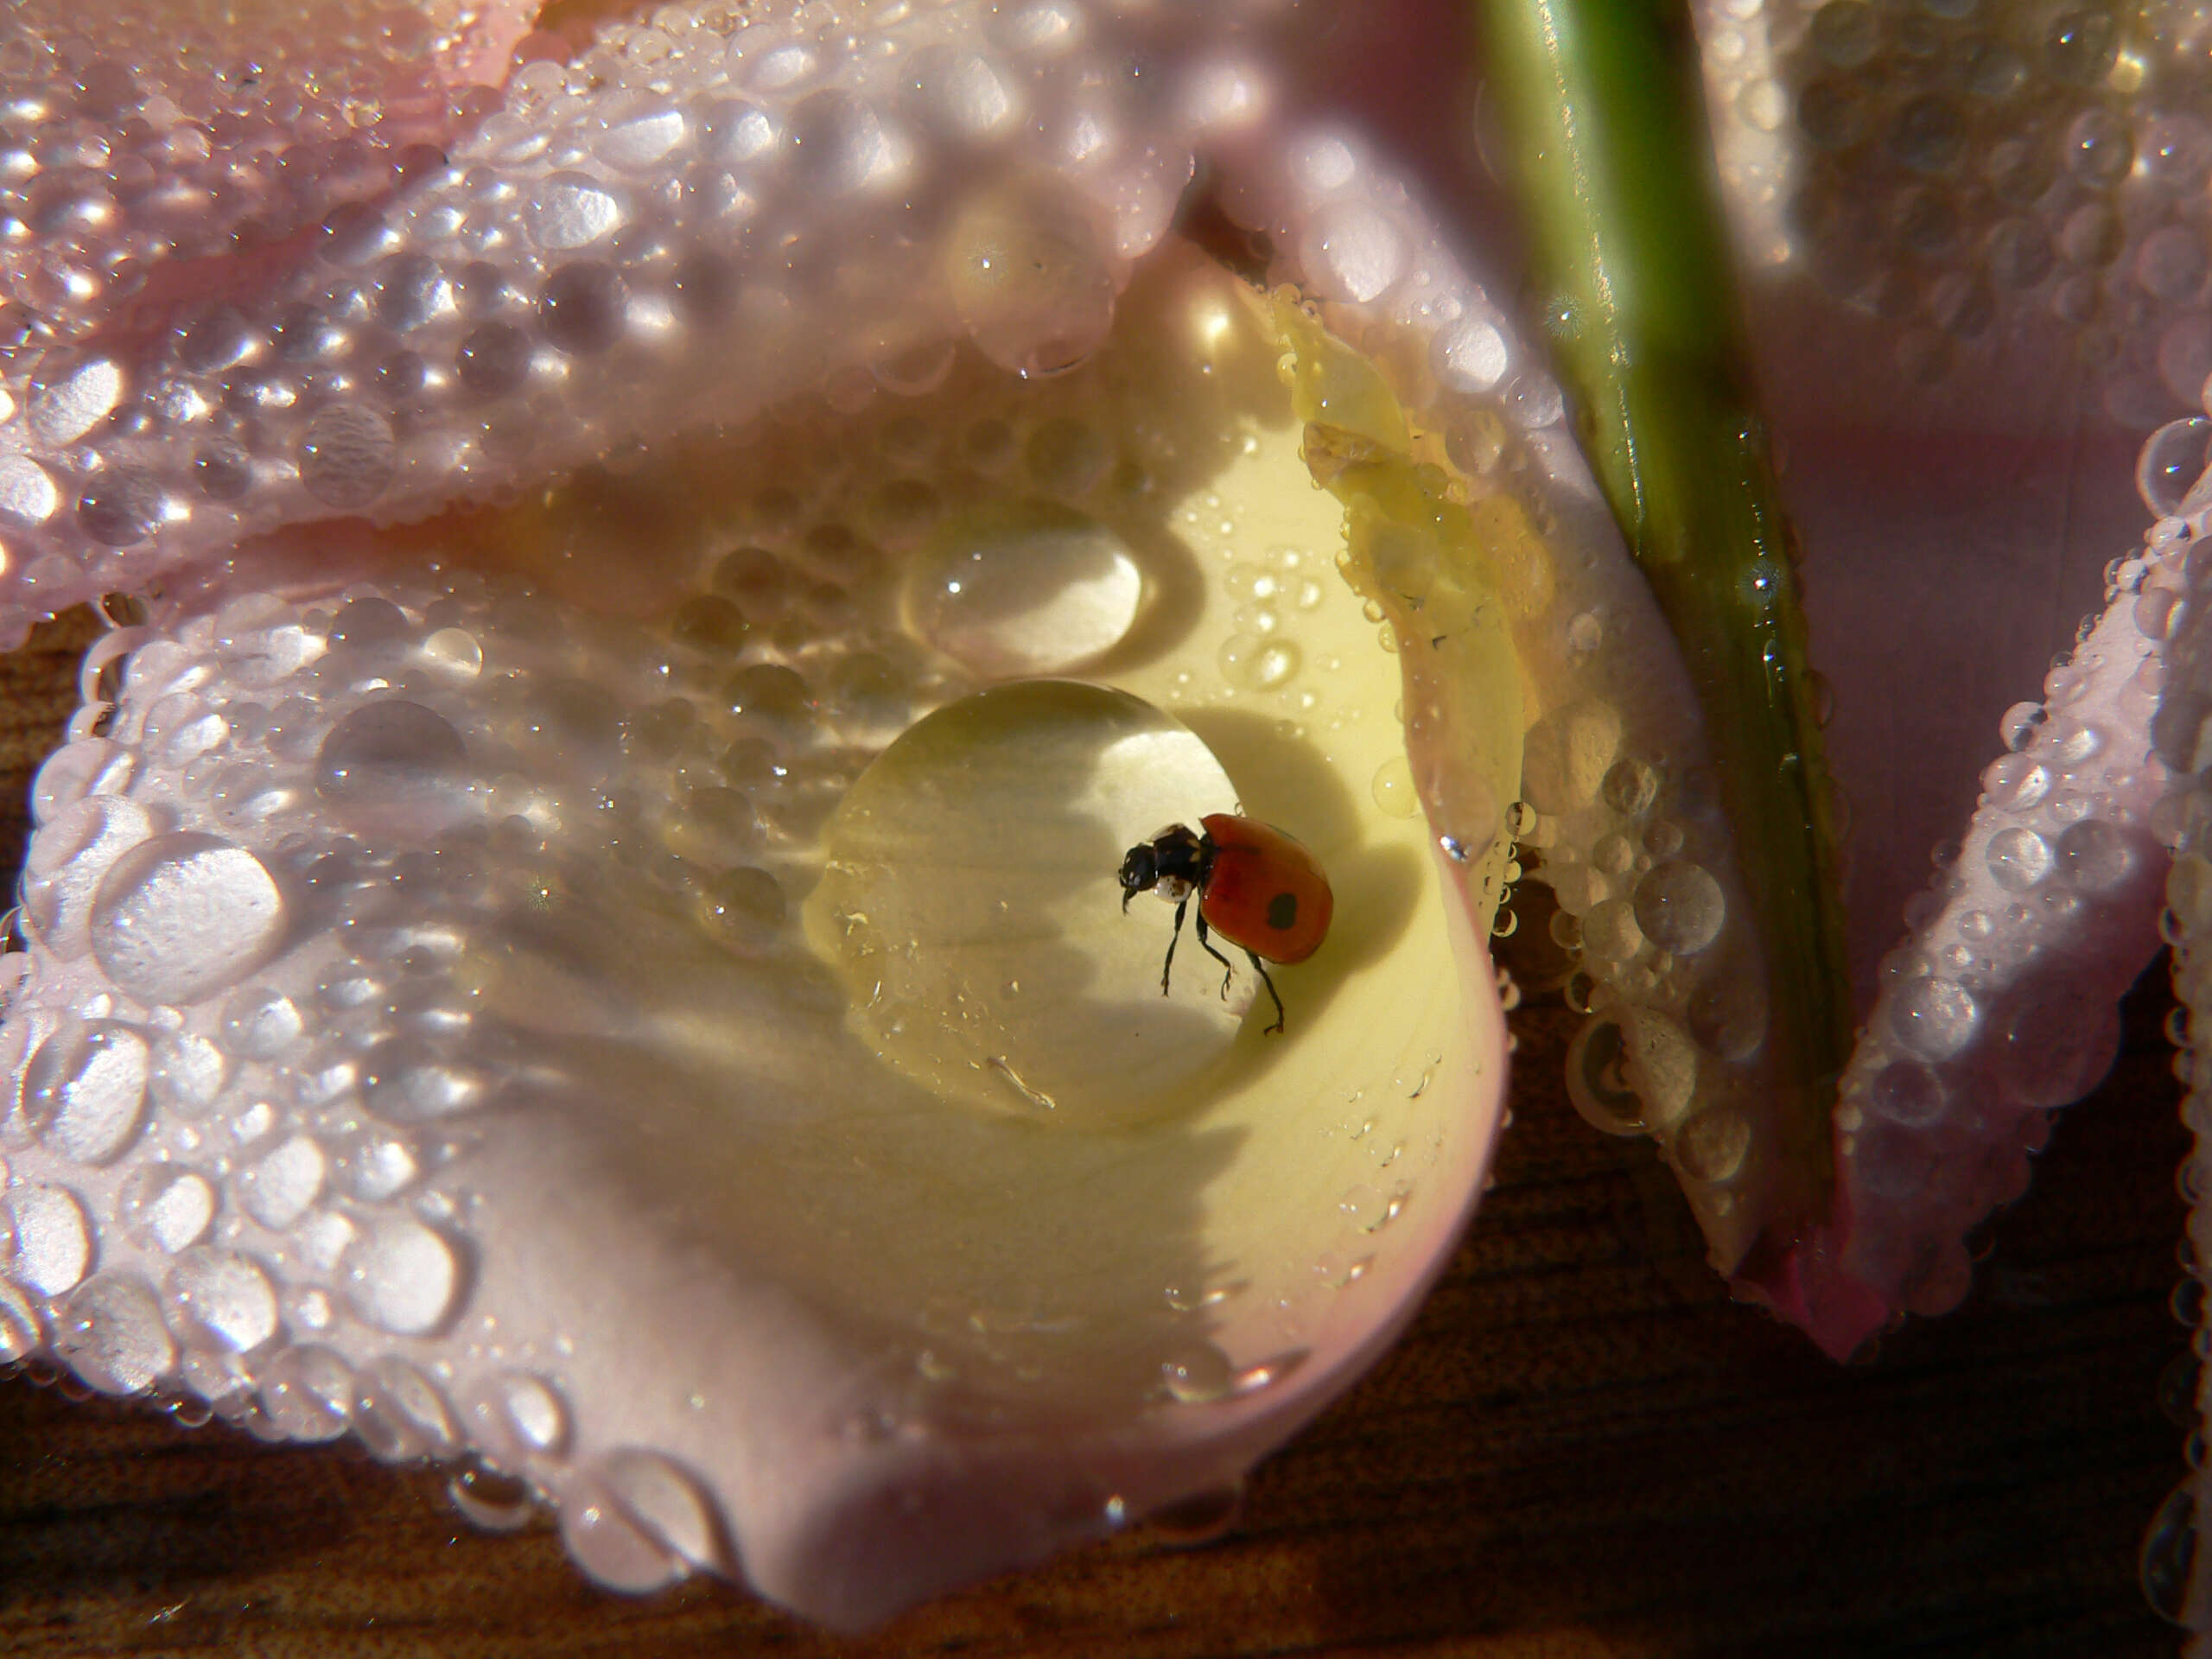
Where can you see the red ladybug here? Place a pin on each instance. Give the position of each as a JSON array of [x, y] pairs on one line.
[[1256, 887]]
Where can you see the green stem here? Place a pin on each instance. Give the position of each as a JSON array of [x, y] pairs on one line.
[[1602, 103]]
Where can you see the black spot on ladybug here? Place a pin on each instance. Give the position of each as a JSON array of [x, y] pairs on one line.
[[1282, 911]]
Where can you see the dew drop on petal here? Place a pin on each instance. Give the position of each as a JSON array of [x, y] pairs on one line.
[[112, 1335], [517, 1417], [20, 1326], [1933, 1018], [2095, 855], [1029, 273], [277, 1188], [400, 1415], [1905, 1092], [2018, 859], [184, 915], [348, 457], [53, 1239], [308, 1392], [84, 1090], [168, 1207], [2171, 461], [1024, 589], [1679, 907], [402, 1277], [221, 1299]]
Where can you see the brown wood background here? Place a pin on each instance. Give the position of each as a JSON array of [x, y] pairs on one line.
[[1581, 1449]]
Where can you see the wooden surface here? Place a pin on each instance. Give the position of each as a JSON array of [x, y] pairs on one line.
[[1581, 1449]]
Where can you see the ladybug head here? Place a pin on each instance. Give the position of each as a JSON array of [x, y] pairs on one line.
[[1140, 872], [1173, 860]]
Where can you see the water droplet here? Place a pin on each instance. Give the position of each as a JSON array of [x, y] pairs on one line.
[[277, 1188], [84, 1091], [2169, 1557], [583, 307], [1905, 1092], [220, 1299], [1630, 787], [53, 1239], [261, 1024], [113, 1336], [2096, 856], [2079, 45], [399, 1413], [1597, 1080], [2099, 149], [1023, 589], [1711, 1146], [637, 1522], [2170, 264], [396, 762], [189, 1072], [573, 210], [1353, 250], [1845, 33], [1197, 1374], [308, 1392], [519, 1417], [2015, 783], [1679, 907], [69, 398], [1471, 355], [168, 1207], [2018, 726], [1203, 1518], [2018, 859], [21, 1328], [1933, 1018], [404, 1082], [1028, 274], [347, 456], [402, 1277], [491, 1500], [182, 916]]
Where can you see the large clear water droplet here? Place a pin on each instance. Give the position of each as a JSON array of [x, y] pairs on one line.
[[1023, 589], [182, 916]]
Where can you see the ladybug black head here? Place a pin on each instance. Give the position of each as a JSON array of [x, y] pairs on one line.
[[1176, 858]]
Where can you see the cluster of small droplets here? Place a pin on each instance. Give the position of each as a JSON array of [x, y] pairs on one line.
[[2175, 1566], [1969, 173], [248, 1044], [1620, 823], [2004, 1004], [699, 216], [120, 153]]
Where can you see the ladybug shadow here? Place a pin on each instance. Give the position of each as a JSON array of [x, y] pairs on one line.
[[1284, 782]]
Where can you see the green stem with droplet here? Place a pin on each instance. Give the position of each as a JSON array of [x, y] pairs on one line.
[[1603, 112]]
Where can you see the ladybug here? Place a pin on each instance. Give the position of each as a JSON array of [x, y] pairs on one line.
[[1257, 886]]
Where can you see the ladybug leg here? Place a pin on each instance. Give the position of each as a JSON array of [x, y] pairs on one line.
[[1205, 943], [1174, 939], [1260, 969]]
